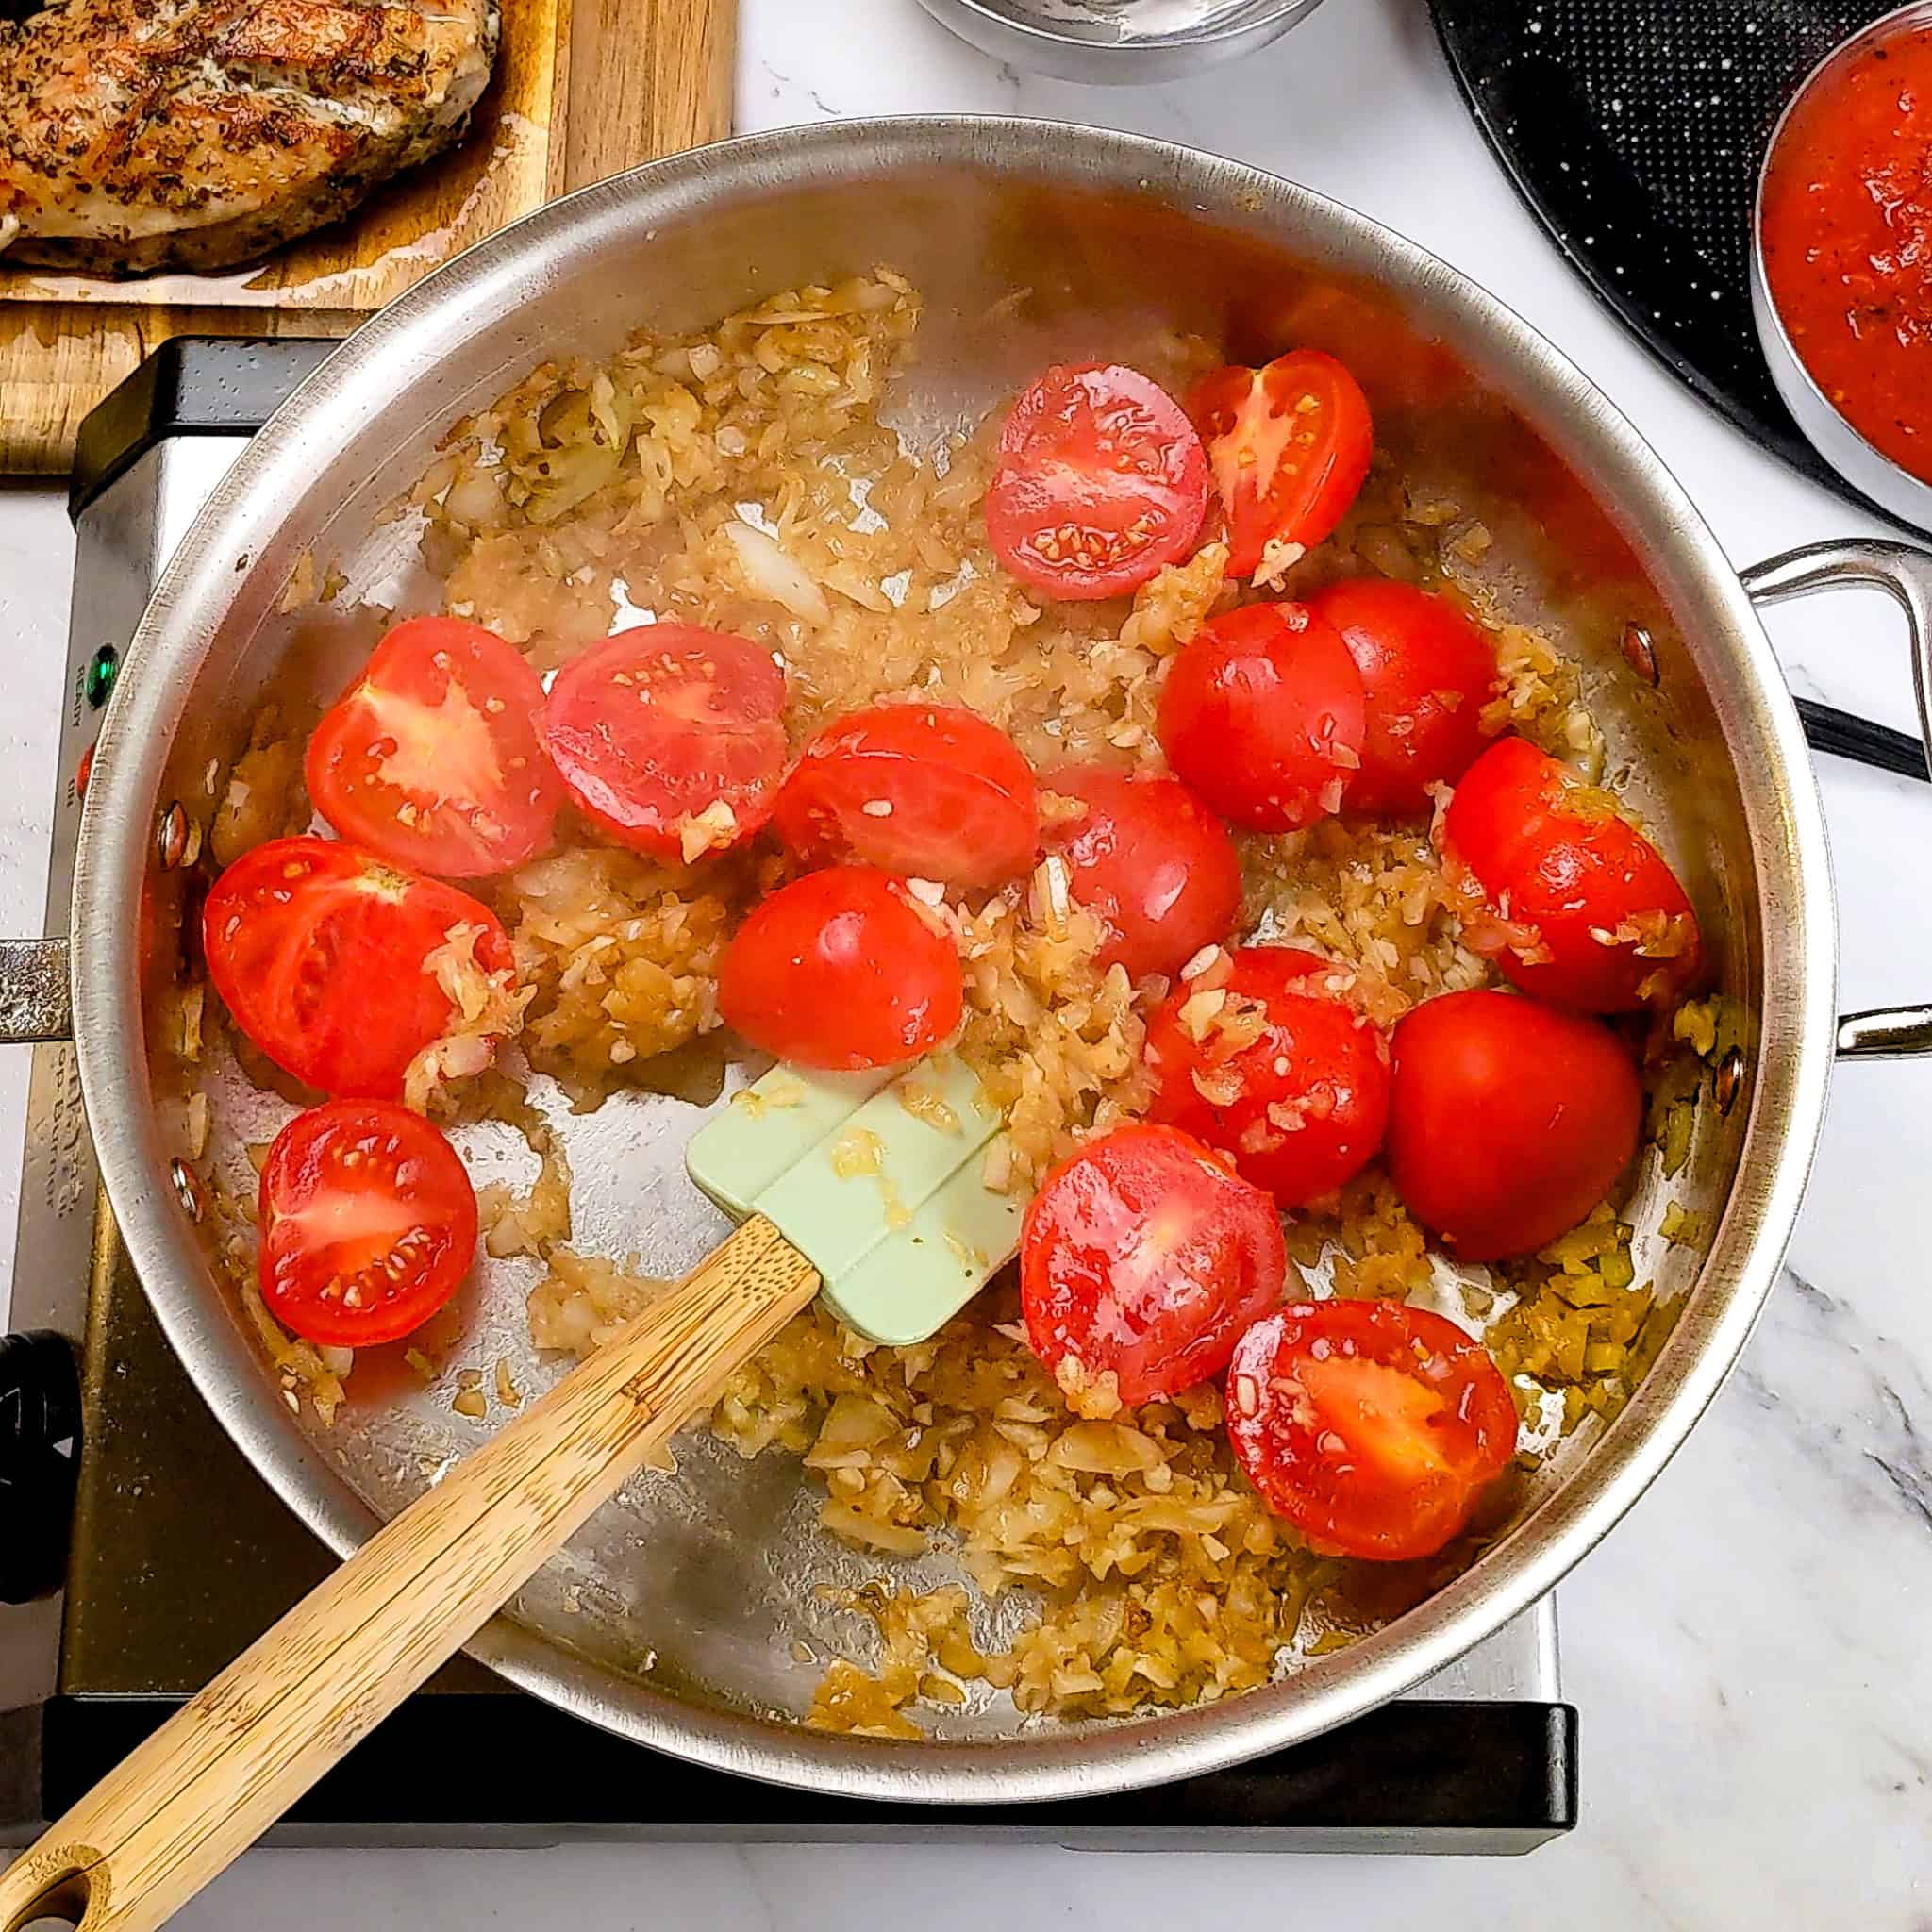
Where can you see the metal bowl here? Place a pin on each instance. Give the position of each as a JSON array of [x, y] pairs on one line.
[[674, 1619], [1118, 41], [1858, 461]]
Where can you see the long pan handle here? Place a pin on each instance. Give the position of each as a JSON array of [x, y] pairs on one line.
[[1845, 735], [222, 1770]]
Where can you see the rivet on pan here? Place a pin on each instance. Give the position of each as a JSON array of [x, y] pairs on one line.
[[1728, 1082], [187, 1188], [1640, 653], [173, 838]]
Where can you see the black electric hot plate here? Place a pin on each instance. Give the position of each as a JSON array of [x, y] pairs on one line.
[[1633, 130]]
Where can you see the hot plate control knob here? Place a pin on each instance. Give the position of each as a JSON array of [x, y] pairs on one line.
[[39, 1457]]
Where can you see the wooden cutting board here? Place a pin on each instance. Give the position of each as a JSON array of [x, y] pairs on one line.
[[583, 89]]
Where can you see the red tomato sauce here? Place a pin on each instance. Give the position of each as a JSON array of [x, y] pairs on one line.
[[1846, 234]]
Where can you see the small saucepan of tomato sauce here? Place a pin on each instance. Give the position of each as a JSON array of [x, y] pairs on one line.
[[1841, 281]]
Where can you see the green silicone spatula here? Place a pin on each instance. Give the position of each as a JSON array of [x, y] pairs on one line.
[[875, 1178]]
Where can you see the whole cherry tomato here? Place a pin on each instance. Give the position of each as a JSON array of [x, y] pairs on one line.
[[1509, 1121]]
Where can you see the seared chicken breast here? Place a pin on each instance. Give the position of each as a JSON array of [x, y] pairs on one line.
[[137, 134]]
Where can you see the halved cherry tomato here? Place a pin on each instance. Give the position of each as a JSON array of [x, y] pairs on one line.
[[319, 950], [929, 791], [368, 1223], [1568, 898], [1508, 1120], [1371, 1426], [1154, 863], [838, 969], [1146, 1256], [1262, 714], [1289, 446], [1427, 671], [670, 737], [1101, 482], [432, 756], [1270, 1062]]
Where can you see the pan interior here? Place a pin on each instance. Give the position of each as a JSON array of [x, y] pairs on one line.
[[702, 1590]]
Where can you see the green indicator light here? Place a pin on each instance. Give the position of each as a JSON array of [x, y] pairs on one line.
[[101, 674]]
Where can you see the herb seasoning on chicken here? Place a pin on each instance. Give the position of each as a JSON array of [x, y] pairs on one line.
[[137, 134]]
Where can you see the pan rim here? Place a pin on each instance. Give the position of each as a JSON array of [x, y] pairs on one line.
[[203, 589]]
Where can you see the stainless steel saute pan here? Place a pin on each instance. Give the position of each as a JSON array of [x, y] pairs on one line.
[[674, 1618]]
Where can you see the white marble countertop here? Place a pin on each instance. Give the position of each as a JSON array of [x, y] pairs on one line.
[[1749, 1648]]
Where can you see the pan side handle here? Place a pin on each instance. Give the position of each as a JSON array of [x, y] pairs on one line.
[[36, 994], [1904, 572]]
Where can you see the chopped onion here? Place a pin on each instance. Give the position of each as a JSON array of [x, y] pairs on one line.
[[770, 573]]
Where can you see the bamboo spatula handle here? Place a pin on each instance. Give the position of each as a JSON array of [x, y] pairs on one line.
[[229, 1762]]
